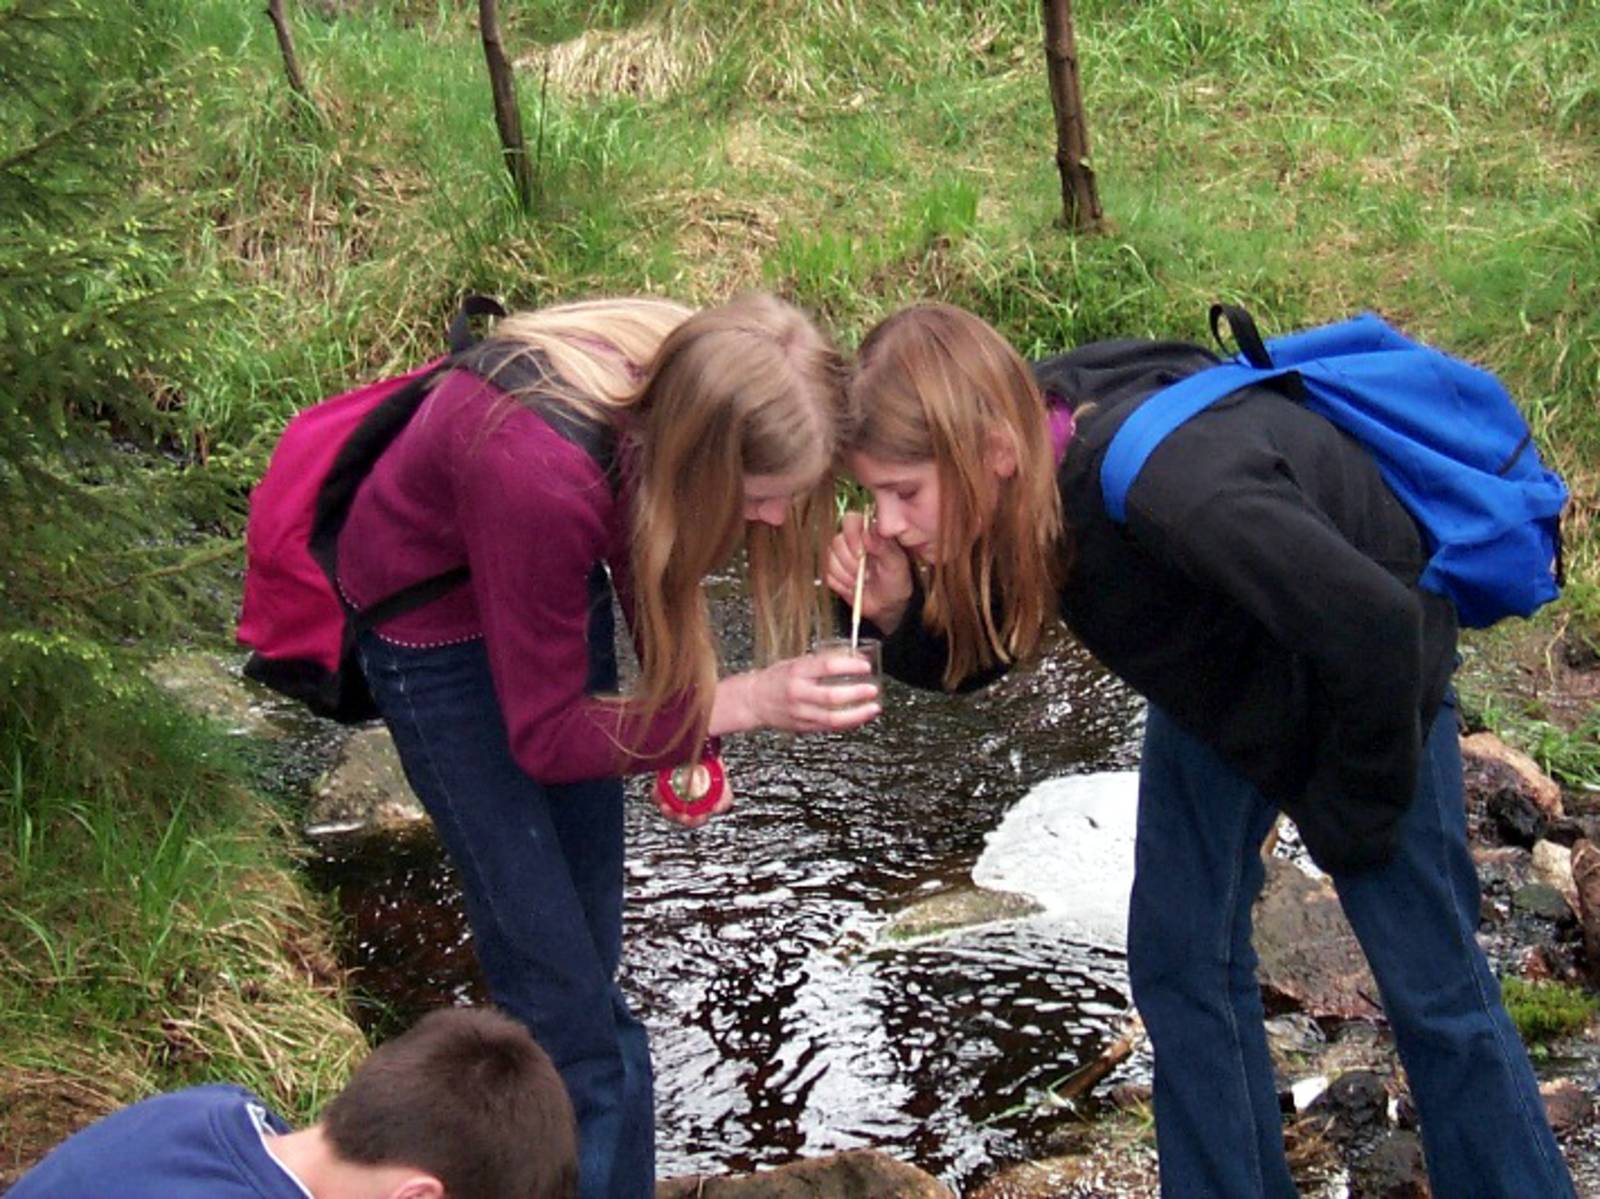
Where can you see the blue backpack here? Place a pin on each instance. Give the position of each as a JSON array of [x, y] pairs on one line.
[[1446, 437]]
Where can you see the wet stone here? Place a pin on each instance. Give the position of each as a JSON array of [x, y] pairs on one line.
[[855, 1174], [1541, 900], [365, 790], [1391, 1169], [211, 688], [950, 911]]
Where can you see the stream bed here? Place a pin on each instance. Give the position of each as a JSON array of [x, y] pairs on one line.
[[781, 1026]]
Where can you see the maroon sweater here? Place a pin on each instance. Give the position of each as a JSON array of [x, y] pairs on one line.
[[477, 479]]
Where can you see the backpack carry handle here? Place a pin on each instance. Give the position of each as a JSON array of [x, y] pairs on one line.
[[460, 337], [1243, 327]]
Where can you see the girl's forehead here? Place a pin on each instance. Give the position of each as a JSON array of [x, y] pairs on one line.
[[758, 487], [881, 472]]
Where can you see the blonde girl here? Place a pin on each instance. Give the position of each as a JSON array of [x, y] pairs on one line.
[[624, 445]]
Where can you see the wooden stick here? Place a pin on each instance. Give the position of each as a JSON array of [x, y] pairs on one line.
[[1082, 1081], [861, 577]]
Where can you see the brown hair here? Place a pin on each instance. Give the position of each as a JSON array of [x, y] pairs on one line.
[[935, 383], [748, 388], [467, 1096]]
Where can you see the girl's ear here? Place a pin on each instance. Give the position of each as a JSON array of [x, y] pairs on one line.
[[1000, 452]]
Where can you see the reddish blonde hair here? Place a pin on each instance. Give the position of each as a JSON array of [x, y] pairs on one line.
[[933, 383]]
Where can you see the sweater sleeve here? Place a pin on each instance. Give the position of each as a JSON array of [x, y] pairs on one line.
[[533, 511], [1262, 543]]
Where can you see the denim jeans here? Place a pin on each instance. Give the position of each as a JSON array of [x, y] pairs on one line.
[[1198, 870], [541, 873]]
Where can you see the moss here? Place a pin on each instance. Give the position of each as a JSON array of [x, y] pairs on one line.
[[1544, 1011]]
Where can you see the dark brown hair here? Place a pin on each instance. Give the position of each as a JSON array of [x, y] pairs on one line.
[[467, 1096]]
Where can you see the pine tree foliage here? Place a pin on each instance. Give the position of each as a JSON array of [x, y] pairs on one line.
[[99, 498]]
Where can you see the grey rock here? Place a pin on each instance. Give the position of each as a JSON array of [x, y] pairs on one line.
[[365, 790], [211, 688], [1542, 900], [1392, 1168], [1357, 1105], [950, 911]]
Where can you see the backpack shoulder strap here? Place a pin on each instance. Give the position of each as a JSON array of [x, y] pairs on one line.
[[364, 446], [536, 385], [1148, 425]]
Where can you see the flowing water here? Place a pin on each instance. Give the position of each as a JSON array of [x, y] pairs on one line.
[[780, 1027]]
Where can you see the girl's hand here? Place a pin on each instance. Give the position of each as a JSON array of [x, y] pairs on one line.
[[791, 695], [886, 589]]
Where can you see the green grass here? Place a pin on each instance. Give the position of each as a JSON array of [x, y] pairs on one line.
[[1546, 1011], [1430, 160], [152, 933]]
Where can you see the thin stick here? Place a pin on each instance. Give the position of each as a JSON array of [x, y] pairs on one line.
[[861, 577]]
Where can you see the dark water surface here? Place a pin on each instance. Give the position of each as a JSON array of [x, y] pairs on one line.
[[778, 1029]]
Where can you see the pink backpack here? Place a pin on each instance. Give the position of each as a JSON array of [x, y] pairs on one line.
[[301, 630]]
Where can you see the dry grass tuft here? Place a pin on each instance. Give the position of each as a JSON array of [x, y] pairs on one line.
[[722, 239], [649, 61]]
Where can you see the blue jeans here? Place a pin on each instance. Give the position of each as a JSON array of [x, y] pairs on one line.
[[541, 873], [1198, 870]]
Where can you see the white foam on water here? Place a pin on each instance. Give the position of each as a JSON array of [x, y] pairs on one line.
[[1068, 846]]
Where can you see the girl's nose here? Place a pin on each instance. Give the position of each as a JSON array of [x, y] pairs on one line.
[[888, 521], [769, 512]]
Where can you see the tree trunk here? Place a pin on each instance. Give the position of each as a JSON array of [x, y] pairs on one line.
[[1080, 201], [291, 61], [507, 117]]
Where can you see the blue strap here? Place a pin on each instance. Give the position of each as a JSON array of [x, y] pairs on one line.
[[1159, 415]]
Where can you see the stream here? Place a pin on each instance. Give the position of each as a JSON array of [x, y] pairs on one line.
[[780, 1026]]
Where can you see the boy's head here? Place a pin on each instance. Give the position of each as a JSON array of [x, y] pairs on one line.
[[466, 1096]]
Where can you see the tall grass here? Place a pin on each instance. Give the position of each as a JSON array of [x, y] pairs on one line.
[[151, 933]]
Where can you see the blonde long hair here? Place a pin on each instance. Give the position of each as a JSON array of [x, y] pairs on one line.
[[703, 399], [935, 383], [750, 388], [591, 353]]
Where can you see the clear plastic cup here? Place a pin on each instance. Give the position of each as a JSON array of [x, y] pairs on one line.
[[868, 648]]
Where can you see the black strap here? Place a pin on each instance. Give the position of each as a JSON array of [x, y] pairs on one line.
[[1243, 327], [460, 336], [407, 599], [530, 378]]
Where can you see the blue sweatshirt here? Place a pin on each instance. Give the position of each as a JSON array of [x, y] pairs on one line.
[[200, 1143]]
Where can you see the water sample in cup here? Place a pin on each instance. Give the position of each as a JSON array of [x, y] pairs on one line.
[[868, 648]]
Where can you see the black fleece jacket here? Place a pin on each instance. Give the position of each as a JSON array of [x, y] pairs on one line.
[[1262, 593]]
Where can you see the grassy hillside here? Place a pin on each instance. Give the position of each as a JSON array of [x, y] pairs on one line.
[[1432, 160]]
